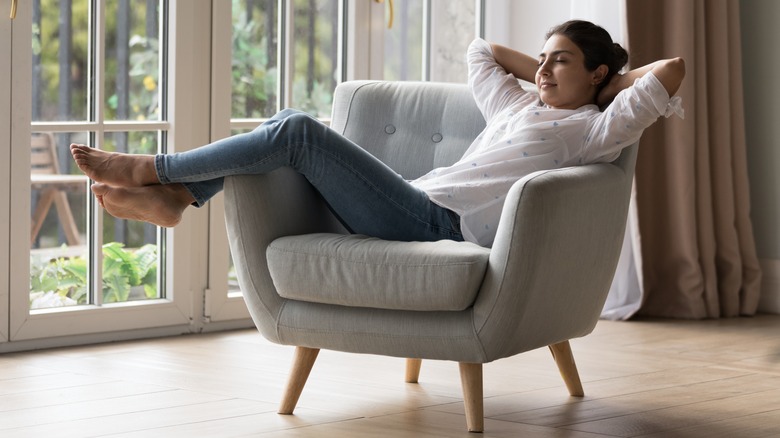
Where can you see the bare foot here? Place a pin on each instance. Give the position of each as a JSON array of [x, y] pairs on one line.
[[158, 204], [115, 169]]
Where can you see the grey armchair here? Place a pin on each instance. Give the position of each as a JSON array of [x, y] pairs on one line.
[[544, 281]]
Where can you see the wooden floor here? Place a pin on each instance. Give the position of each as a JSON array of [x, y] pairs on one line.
[[642, 378]]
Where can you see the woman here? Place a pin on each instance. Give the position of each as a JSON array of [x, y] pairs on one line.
[[560, 126]]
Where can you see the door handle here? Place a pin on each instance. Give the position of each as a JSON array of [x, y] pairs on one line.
[[13, 9], [392, 12]]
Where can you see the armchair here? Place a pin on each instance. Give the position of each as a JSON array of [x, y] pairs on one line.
[[545, 280]]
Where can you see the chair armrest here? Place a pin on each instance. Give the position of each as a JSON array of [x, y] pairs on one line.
[[258, 210], [553, 259]]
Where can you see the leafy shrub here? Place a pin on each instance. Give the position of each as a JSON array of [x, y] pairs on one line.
[[127, 275]]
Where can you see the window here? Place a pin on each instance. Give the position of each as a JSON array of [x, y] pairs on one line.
[[96, 80], [94, 73], [147, 76]]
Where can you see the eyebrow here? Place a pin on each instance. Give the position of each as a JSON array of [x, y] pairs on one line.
[[556, 52]]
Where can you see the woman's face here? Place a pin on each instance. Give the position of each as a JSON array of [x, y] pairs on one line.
[[562, 78]]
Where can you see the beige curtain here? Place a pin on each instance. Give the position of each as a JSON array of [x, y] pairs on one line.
[[699, 258]]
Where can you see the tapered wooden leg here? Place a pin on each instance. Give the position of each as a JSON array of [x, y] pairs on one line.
[[302, 364], [471, 380], [66, 218], [413, 370], [565, 360], [44, 203]]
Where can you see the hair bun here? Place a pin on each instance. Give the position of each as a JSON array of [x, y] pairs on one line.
[[621, 56]]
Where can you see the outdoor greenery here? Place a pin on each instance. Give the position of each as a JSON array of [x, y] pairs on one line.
[[49, 44], [254, 63], [63, 281]]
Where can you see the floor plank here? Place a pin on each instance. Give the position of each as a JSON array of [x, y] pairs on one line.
[[645, 378]]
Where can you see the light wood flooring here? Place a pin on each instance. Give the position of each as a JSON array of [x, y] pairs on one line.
[[718, 378]]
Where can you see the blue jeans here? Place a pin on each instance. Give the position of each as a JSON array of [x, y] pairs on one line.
[[365, 194]]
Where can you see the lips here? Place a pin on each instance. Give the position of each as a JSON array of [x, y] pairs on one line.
[[547, 85]]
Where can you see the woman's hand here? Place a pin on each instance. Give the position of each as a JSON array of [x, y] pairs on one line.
[[617, 84]]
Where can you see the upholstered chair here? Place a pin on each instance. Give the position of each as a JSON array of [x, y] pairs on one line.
[[309, 284]]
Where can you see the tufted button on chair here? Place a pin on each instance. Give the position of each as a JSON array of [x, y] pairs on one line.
[[309, 284]]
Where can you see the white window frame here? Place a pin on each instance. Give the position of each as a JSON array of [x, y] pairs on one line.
[[5, 171], [180, 311]]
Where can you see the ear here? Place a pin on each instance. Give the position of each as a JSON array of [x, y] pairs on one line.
[[599, 74]]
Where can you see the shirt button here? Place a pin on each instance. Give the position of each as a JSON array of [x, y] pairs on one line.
[[436, 137], [390, 129]]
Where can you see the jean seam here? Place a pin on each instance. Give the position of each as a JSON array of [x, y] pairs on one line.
[[242, 170], [158, 167]]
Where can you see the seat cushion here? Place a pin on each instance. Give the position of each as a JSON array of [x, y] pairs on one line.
[[360, 271]]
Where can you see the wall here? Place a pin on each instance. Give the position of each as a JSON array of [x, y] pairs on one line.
[[761, 62], [522, 25]]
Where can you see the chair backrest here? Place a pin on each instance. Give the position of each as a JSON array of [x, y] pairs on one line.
[[440, 119], [545, 265], [43, 155]]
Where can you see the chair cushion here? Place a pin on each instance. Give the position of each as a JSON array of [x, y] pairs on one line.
[[360, 271]]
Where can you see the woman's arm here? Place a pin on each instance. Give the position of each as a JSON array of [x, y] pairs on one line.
[[670, 72], [518, 64]]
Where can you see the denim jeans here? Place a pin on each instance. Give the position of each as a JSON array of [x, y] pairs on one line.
[[365, 194]]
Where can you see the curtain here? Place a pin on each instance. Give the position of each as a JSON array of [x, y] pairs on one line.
[[698, 253]]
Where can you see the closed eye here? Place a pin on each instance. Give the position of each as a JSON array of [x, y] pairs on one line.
[[561, 61]]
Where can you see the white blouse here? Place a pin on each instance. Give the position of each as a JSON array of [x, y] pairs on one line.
[[523, 136]]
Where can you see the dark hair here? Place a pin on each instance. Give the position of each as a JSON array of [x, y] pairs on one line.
[[596, 44]]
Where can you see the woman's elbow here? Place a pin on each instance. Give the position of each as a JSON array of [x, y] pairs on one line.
[[678, 67], [671, 73]]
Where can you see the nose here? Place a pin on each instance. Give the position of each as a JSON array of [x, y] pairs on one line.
[[544, 69]]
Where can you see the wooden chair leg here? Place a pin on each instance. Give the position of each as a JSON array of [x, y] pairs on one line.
[[413, 370], [565, 360], [39, 215], [302, 364], [66, 219], [471, 380]]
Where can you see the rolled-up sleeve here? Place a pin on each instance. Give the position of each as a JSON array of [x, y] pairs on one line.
[[624, 120]]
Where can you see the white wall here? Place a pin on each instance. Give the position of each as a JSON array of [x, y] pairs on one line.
[[523, 24], [761, 62]]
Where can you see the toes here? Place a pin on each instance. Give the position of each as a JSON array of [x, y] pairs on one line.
[[75, 147], [100, 190]]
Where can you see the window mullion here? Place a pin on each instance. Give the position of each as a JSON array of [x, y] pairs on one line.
[[343, 49], [97, 115], [285, 54], [479, 19], [426, 41]]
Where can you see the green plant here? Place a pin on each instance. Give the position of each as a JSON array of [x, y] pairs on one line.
[[253, 79], [127, 275]]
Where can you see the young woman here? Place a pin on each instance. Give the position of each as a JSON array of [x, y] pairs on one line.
[[561, 125]]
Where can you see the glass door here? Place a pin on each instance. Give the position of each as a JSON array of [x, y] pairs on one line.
[[267, 55], [92, 72]]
